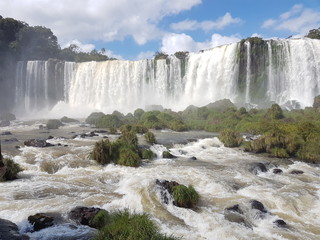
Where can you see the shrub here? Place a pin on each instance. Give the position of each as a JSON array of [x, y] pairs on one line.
[[101, 219], [177, 125], [128, 157], [124, 225], [93, 117], [129, 138], [12, 169], [54, 124], [108, 121], [166, 154], [279, 152], [102, 152], [68, 120], [310, 150], [148, 154], [186, 197], [138, 113], [113, 130], [275, 112], [150, 138], [230, 138]]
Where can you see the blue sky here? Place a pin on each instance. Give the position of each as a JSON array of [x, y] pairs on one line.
[[135, 29]]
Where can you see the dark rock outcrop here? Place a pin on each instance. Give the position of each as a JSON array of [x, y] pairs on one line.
[[4, 123], [40, 221], [166, 189], [280, 223], [255, 168], [6, 133], [10, 231], [193, 158], [277, 171], [296, 172], [166, 154], [37, 143], [84, 215], [258, 205], [235, 208]]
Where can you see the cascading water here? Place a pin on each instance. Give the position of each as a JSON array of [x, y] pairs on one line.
[[248, 72]]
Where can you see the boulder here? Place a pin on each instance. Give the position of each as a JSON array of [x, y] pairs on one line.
[[7, 117], [4, 123], [40, 221], [296, 172], [166, 189], [37, 143], [235, 208], [84, 215], [258, 206], [11, 140], [193, 158], [255, 168], [166, 154], [9, 230], [6, 133], [280, 223], [277, 171]]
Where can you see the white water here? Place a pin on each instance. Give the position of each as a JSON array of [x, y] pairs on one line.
[[293, 74], [58, 179]]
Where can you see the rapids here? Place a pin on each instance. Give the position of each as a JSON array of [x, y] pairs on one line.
[[56, 179]]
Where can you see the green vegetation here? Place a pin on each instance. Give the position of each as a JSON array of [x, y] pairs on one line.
[[230, 138], [10, 167], [128, 157], [93, 117], [148, 154], [68, 120], [123, 225], [160, 56], [54, 124], [314, 34], [150, 138], [186, 197], [108, 121]]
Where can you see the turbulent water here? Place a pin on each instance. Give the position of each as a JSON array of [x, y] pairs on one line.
[[282, 71], [57, 179]]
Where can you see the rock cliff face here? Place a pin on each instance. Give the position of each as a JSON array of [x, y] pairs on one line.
[[251, 72]]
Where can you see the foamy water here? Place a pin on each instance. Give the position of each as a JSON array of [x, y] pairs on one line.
[[58, 179]]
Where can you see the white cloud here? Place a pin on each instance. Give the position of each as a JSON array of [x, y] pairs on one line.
[[145, 55], [297, 20], [173, 42], [97, 19], [220, 23], [82, 47]]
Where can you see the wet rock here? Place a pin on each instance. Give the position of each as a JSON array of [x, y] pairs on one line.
[[40, 221], [193, 158], [11, 140], [296, 172], [280, 223], [235, 208], [236, 218], [101, 131], [277, 171], [258, 205], [258, 167], [41, 127], [6, 133], [37, 143], [166, 189], [4, 123], [92, 134], [9, 230], [50, 137], [166, 154], [84, 215]]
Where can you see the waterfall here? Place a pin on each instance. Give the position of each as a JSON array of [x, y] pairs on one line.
[[254, 72], [248, 76]]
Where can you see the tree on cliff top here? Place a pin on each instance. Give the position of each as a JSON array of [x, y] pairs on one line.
[[314, 34]]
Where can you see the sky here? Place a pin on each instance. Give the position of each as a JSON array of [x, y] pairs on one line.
[[136, 29]]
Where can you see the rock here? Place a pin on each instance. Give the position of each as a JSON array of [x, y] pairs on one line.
[[277, 171], [280, 223], [193, 158], [83, 215], [40, 221], [101, 131], [6, 133], [11, 140], [92, 134], [4, 123], [50, 137], [258, 167], [83, 135], [235, 208], [7, 117], [10, 231], [41, 126], [166, 189], [296, 172], [166, 154], [258, 205], [37, 143], [236, 218]]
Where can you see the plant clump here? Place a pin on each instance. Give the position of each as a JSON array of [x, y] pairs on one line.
[[230, 138], [68, 120], [148, 154], [11, 169], [186, 197], [150, 138]]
